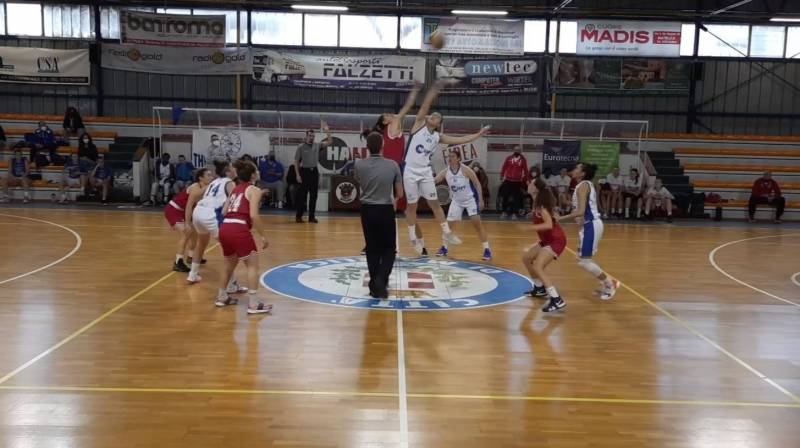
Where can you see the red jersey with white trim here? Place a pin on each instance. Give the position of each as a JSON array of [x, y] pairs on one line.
[[393, 148], [239, 205], [549, 236], [181, 199]]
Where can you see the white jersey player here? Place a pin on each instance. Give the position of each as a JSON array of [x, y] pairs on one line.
[[465, 195], [586, 214], [418, 172]]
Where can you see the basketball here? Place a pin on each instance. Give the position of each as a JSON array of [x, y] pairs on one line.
[[437, 40]]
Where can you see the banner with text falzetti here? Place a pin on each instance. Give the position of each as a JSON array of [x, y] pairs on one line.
[[364, 72]]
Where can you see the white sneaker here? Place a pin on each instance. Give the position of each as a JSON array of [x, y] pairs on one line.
[[280, 204], [194, 278], [451, 239], [236, 288], [417, 246], [608, 293]]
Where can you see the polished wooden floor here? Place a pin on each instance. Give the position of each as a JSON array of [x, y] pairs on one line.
[[108, 348]]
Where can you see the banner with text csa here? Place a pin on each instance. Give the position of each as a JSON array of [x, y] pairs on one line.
[[629, 38]]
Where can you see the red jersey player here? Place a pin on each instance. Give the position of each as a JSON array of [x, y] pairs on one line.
[[552, 242], [236, 237], [174, 213]]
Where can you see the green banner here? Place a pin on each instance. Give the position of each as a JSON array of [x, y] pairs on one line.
[[603, 154]]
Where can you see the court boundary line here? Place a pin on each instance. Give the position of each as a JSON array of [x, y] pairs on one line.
[[278, 392], [705, 338], [78, 244], [401, 379], [796, 278], [713, 253]]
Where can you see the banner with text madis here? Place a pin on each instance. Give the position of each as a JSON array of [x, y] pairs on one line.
[[603, 154], [174, 30], [475, 36], [228, 144], [629, 38], [367, 72], [559, 154]]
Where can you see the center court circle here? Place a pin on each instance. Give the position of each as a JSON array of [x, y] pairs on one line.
[[416, 284]]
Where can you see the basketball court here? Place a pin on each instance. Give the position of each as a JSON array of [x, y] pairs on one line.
[[103, 345]]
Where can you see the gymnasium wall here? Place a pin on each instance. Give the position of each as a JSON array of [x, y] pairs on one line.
[[731, 97]]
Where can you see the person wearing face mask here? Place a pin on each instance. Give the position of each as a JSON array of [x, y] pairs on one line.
[[86, 148], [272, 172], [165, 178], [73, 124], [215, 150], [513, 174], [44, 136]]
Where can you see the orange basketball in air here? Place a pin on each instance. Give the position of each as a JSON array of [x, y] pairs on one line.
[[437, 40]]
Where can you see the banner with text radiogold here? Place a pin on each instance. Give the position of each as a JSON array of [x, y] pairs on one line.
[[176, 60]]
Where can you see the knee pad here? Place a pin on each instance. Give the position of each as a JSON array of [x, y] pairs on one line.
[[590, 266]]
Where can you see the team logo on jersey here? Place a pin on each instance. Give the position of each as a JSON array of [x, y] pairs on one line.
[[346, 192], [416, 284]]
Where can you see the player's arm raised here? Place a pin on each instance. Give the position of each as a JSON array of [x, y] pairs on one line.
[[396, 127], [430, 97], [451, 140], [475, 183], [578, 213], [254, 196], [328, 136]]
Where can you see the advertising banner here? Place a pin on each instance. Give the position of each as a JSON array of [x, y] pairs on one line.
[[475, 36], [228, 144], [603, 154], [477, 150], [488, 75], [623, 74], [629, 38], [175, 60], [44, 66], [367, 72], [559, 154], [176, 30]]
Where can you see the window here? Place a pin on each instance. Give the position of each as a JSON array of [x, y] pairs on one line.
[[411, 33], [68, 21], [767, 41], [368, 31], [180, 11], [687, 39], [793, 42], [719, 39], [535, 36], [230, 19], [2, 18], [277, 28], [569, 37], [321, 30], [24, 19], [109, 22]]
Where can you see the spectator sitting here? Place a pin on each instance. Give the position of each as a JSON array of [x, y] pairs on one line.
[[44, 136], [100, 178], [513, 174], [17, 176], [74, 174], [2, 138], [562, 183], [184, 174], [613, 194], [165, 177], [766, 191], [73, 124], [659, 197], [271, 172], [483, 179], [632, 194], [86, 149]]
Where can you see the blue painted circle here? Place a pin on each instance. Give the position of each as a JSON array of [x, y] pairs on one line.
[[417, 284]]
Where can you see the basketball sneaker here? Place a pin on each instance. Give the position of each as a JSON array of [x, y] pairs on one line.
[[235, 288], [424, 252], [555, 304], [487, 255], [442, 252], [180, 266], [608, 293], [193, 278], [451, 238], [537, 291], [418, 247]]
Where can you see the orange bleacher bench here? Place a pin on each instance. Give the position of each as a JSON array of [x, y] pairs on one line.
[[86, 120], [744, 203], [18, 132], [49, 169], [735, 152], [723, 137], [754, 168], [739, 185], [69, 150]]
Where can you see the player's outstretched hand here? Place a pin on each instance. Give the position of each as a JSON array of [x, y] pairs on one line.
[[324, 125], [485, 130]]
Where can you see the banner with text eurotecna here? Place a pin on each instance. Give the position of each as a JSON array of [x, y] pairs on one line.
[[559, 154], [629, 38], [175, 30], [366, 72]]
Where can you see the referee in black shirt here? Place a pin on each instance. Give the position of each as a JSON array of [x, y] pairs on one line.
[[381, 186]]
